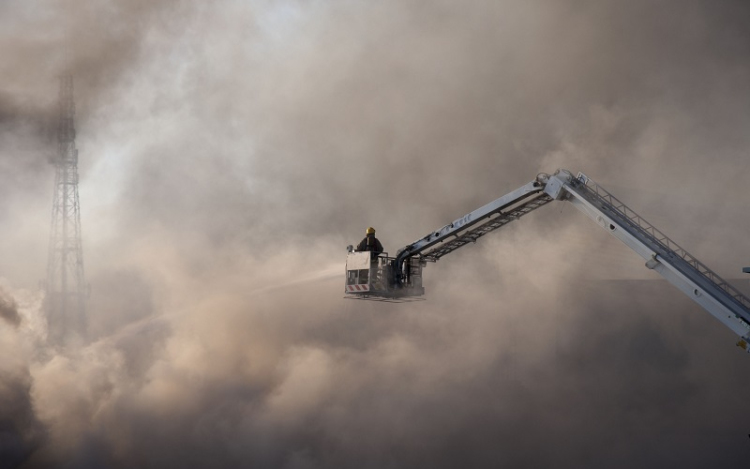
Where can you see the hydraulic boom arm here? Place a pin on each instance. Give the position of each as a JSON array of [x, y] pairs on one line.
[[662, 254]]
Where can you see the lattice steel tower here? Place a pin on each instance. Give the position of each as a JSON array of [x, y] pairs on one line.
[[66, 290]]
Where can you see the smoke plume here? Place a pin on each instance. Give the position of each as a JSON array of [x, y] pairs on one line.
[[229, 151], [9, 309]]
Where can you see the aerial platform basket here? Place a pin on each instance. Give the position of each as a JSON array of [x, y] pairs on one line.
[[372, 278]]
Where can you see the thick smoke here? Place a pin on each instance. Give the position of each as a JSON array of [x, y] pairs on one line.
[[229, 151], [9, 309]]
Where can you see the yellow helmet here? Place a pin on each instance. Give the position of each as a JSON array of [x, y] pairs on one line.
[[370, 230]]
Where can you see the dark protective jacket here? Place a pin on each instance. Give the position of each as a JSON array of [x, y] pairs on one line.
[[370, 243]]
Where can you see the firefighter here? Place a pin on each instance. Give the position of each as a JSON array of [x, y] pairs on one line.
[[370, 243]]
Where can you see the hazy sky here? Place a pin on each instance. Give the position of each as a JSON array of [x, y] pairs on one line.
[[230, 150]]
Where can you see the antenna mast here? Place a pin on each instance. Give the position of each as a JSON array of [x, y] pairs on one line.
[[65, 299]]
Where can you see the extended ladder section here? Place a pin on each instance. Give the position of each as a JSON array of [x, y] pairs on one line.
[[501, 218], [469, 228], [663, 255]]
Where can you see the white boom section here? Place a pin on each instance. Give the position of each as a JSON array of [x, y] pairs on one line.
[[481, 221], [662, 254]]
